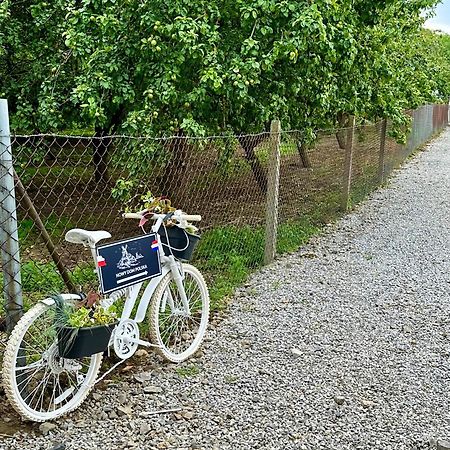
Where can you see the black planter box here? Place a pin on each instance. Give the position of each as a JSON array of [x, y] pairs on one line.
[[81, 342], [178, 242]]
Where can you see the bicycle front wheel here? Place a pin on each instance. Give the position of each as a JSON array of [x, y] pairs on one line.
[[176, 334], [38, 383]]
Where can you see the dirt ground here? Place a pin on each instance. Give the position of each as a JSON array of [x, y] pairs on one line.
[[66, 195]]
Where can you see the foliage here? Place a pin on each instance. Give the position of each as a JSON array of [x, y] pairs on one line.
[[54, 224], [88, 317], [209, 66], [41, 278], [78, 314]]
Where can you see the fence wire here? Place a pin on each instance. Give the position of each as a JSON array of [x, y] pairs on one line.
[[86, 182]]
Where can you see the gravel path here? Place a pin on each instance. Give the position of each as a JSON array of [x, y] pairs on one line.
[[344, 345]]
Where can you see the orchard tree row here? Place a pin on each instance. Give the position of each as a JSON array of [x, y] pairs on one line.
[[212, 66]]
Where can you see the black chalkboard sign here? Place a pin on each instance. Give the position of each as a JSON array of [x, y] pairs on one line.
[[127, 262]]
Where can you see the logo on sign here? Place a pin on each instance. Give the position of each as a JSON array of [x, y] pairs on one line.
[[128, 260]]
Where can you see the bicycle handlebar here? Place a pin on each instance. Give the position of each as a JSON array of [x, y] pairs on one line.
[[140, 215]]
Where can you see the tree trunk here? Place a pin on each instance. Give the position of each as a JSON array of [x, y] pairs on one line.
[[102, 145], [100, 155], [342, 119], [302, 151], [173, 180], [249, 143]]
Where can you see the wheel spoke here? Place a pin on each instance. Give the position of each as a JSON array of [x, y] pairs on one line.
[[23, 379], [177, 333], [43, 385], [31, 366], [36, 389]]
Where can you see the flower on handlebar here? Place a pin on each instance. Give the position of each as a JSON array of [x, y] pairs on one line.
[[163, 205], [157, 205]]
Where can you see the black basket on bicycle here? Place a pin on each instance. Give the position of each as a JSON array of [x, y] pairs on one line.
[[76, 343], [178, 242]]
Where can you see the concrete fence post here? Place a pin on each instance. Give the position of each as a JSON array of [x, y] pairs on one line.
[[381, 159], [12, 285], [347, 180], [273, 181]]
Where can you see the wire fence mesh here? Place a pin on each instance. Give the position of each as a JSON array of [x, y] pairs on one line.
[[86, 182]]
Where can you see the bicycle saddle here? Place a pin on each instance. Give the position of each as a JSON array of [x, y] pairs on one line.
[[87, 238]]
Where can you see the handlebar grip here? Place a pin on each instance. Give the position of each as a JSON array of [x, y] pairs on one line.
[[191, 218], [132, 216]]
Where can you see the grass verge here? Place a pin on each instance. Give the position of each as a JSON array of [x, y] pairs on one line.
[[226, 255]]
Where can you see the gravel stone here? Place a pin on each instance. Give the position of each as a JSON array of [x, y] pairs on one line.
[[152, 390], [350, 303], [122, 398], [443, 444], [144, 428], [113, 415], [188, 414], [368, 403], [124, 410], [143, 377], [339, 399], [60, 446], [46, 427]]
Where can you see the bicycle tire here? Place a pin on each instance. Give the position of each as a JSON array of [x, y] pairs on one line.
[[198, 296], [53, 367]]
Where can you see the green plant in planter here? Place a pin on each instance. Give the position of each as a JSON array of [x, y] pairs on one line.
[[80, 315], [91, 317], [83, 328]]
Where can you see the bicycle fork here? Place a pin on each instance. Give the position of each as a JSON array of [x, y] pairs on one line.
[[178, 276]]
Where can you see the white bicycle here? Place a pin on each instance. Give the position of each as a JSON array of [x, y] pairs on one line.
[[41, 385]]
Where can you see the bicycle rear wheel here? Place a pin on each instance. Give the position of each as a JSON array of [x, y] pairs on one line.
[[38, 383], [177, 335]]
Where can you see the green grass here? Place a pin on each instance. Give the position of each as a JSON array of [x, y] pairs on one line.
[[265, 149], [231, 379], [294, 233], [188, 371], [41, 280], [226, 255], [44, 278], [54, 224], [52, 175]]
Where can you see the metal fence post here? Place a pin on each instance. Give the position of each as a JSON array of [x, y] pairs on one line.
[[381, 168], [12, 286], [348, 164], [273, 181]]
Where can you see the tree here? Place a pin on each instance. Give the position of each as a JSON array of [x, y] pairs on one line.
[[208, 67]]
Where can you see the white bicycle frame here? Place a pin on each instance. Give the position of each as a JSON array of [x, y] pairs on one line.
[[168, 264]]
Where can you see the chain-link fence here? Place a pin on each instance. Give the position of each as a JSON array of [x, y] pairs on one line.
[[64, 182]]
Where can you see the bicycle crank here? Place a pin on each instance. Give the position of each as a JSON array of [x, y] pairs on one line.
[[126, 339]]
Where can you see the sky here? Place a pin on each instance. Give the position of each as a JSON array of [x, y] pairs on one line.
[[441, 21]]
